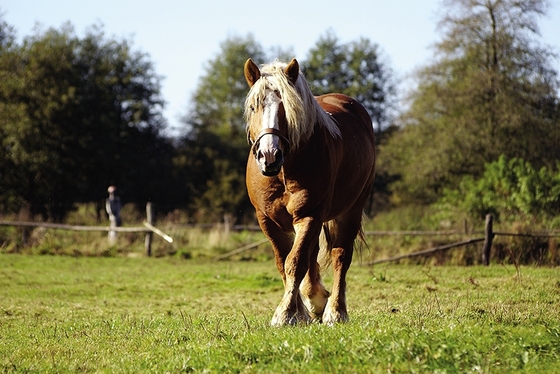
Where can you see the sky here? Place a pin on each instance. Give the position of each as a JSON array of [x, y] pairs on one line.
[[181, 37]]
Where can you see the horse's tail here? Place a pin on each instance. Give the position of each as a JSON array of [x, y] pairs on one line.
[[325, 246], [326, 240]]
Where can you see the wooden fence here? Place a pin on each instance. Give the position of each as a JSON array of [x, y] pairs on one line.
[[487, 239], [148, 228]]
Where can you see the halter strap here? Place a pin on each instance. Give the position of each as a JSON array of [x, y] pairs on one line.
[[272, 131]]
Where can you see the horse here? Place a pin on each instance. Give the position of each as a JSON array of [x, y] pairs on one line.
[[309, 173]]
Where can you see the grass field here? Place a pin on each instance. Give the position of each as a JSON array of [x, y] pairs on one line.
[[130, 315]]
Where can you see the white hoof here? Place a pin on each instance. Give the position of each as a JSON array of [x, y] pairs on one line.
[[283, 318], [332, 316]]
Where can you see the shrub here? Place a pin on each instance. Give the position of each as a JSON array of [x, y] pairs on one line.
[[509, 189]]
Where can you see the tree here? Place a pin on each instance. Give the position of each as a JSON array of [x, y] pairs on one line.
[[213, 152], [355, 69], [122, 121], [7, 34], [76, 116], [9, 174], [37, 137], [491, 91]]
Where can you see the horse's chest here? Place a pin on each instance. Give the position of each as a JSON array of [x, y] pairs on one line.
[[277, 200], [285, 200]]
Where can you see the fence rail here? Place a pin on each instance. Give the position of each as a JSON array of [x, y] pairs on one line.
[[412, 233], [72, 227], [488, 238], [426, 251], [149, 230]]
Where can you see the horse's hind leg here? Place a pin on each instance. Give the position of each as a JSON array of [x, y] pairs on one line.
[[343, 232], [313, 292]]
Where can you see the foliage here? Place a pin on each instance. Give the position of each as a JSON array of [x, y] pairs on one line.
[[491, 91], [80, 113], [7, 33], [509, 189], [355, 69], [213, 152], [359, 70], [214, 317], [76, 115]]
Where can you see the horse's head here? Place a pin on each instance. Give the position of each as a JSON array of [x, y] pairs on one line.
[[267, 126]]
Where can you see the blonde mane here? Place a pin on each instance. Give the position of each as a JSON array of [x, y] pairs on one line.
[[301, 108]]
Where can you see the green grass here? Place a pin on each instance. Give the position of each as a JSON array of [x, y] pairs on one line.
[[131, 315]]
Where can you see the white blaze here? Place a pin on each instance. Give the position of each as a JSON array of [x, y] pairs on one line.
[[269, 144]]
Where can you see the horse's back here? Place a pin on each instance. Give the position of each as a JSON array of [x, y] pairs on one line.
[[357, 140], [348, 113], [356, 149]]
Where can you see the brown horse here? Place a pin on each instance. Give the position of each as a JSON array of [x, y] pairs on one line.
[[310, 172]]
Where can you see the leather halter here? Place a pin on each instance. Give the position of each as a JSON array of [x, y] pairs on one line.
[[273, 131]]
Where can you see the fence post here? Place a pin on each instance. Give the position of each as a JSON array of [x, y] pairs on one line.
[[488, 237], [113, 208], [149, 234], [228, 223]]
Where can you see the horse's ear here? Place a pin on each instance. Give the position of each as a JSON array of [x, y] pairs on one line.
[[292, 71], [252, 72]]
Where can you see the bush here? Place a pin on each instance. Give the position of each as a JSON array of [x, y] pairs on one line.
[[511, 190]]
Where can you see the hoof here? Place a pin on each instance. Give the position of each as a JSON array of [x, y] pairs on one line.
[[315, 305], [333, 320], [284, 318], [332, 317]]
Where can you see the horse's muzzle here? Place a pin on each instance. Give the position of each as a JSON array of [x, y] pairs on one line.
[[270, 166], [270, 157]]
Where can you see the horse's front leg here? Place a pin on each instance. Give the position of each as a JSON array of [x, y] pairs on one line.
[[291, 309], [280, 240]]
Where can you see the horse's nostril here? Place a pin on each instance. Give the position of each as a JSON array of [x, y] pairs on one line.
[[259, 155], [278, 160]]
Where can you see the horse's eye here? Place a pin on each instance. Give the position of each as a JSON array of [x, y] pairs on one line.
[[252, 108]]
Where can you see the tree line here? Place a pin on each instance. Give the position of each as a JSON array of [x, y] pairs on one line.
[[491, 95], [78, 114]]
